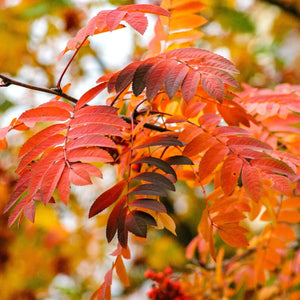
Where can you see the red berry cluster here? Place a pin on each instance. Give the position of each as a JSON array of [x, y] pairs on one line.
[[164, 288]]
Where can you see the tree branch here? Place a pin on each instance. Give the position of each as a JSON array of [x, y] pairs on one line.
[[285, 6], [7, 81]]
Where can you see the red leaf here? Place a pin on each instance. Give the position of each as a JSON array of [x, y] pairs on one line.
[[89, 95], [40, 168], [63, 186], [43, 114], [155, 178], [209, 121], [190, 85], [93, 129], [53, 140], [29, 211], [95, 110], [17, 210], [230, 130], [40, 137], [281, 184], [98, 119], [223, 76], [79, 176], [149, 204], [213, 86], [20, 188], [92, 154], [145, 8], [251, 182], [91, 141], [50, 180], [112, 222], [137, 21], [210, 160], [230, 173], [244, 142], [107, 198], [273, 165], [157, 75], [114, 18], [174, 79]]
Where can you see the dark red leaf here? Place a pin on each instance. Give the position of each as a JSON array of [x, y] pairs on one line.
[[157, 163], [112, 222], [137, 221], [107, 198], [140, 75], [156, 179], [157, 75], [149, 204], [126, 76], [160, 140], [148, 189], [122, 230], [179, 160]]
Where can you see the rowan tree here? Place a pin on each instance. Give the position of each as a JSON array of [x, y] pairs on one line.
[[175, 119]]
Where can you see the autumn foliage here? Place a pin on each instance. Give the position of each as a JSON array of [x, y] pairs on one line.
[[176, 115]]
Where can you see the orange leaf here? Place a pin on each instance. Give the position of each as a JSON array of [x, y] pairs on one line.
[[212, 157], [121, 271], [284, 231], [230, 173], [233, 235]]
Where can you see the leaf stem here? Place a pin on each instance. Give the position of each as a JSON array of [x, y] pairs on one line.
[[58, 85]]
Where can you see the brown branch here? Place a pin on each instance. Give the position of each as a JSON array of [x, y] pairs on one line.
[[287, 7], [7, 81]]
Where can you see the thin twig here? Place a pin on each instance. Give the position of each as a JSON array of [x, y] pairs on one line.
[[8, 81], [58, 85]]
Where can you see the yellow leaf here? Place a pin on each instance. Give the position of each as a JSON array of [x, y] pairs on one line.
[[167, 221]]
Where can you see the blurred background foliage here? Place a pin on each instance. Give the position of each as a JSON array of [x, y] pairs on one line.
[[64, 255]]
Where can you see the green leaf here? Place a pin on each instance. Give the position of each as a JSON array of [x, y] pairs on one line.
[[234, 20]]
